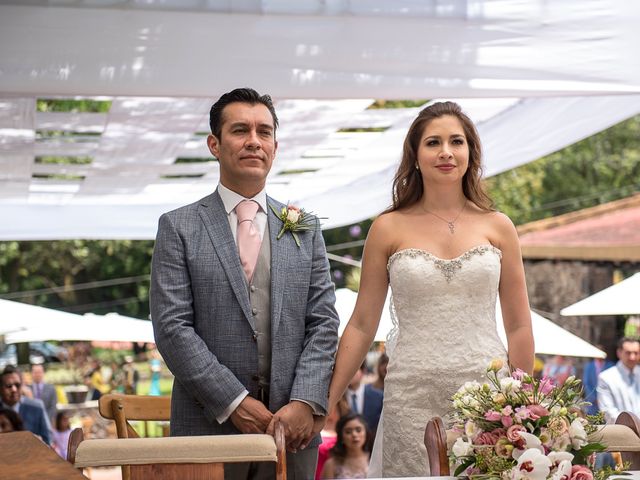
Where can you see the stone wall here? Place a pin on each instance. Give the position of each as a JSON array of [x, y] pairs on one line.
[[555, 284]]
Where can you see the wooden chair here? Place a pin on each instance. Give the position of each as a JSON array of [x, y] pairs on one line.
[[435, 439], [179, 458], [623, 437], [124, 408], [631, 453]]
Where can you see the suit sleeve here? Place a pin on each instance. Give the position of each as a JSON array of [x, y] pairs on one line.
[[212, 384], [606, 402], [315, 366]]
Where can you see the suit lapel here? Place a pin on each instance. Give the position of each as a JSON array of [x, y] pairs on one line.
[[215, 221], [280, 256]]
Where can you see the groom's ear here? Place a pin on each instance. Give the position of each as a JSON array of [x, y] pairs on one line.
[[214, 145]]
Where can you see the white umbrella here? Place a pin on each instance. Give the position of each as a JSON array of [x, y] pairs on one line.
[[346, 302], [623, 298], [21, 322], [552, 339], [17, 318]]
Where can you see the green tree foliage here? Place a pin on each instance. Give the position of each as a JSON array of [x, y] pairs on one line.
[[72, 105], [32, 266], [598, 169]]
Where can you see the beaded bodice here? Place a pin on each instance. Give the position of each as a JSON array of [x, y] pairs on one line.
[[447, 267], [411, 275]]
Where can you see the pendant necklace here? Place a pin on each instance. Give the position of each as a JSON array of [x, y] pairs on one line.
[[451, 224]]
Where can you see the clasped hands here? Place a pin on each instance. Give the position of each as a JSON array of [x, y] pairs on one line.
[[300, 426]]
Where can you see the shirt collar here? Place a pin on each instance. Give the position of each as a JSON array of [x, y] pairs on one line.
[[626, 371], [230, 198]]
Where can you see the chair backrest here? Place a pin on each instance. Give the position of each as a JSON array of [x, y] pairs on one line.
[[632, 451], [623, 437], [179, 458], [435, 439], [123, 408]]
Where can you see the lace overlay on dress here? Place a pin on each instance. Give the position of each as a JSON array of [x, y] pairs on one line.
[[444, 334]]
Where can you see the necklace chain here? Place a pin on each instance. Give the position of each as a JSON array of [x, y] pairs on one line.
[[451, 224]]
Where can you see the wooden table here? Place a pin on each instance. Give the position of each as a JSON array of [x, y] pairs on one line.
[[24, 456]]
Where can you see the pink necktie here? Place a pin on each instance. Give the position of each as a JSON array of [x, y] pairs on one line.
[[248, 237]]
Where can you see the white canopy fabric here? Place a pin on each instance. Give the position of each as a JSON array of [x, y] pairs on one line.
[[623, 298], [20, 322], [551, 73], [550, 339]]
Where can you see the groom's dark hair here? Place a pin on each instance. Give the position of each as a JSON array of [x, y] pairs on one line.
[[239, 95]]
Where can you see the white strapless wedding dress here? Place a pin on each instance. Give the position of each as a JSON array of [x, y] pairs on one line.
[[446, 335]]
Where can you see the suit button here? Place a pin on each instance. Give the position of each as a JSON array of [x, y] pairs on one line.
[[253, 288], [254, 311], [255, 378], [254, 337]]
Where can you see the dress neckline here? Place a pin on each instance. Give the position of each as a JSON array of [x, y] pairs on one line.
[[477, 249]]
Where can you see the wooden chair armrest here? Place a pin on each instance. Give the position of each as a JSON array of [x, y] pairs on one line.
[[200, 449]]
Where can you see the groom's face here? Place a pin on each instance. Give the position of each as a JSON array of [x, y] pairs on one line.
[[246, 147]]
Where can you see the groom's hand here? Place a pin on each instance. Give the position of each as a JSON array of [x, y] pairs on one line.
[[319, 421], [251, 416], [297, 419]]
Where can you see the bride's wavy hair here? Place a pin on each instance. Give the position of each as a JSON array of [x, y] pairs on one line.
[[408, 187]]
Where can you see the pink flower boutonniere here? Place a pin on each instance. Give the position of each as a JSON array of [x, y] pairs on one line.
[[294, 220]]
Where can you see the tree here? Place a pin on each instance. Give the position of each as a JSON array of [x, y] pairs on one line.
[[33, 266], [598, 169]]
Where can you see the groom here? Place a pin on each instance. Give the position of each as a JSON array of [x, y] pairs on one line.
[[244, 320]]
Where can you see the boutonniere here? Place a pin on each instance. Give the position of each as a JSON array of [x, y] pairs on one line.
[[294, 219]]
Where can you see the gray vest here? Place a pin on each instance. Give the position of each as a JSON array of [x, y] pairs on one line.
[[260, 298]]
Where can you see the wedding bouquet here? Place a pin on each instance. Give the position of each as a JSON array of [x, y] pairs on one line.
[[515, 427]]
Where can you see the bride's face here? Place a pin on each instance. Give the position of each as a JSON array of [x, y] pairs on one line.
[[443, 153]]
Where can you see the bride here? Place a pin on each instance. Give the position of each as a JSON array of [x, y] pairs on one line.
[[446, 255]]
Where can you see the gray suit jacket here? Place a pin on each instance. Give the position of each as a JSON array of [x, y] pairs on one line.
[[204, 326], [50, 399]]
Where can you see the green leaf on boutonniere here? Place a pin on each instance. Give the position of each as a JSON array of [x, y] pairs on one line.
[[293, 220]]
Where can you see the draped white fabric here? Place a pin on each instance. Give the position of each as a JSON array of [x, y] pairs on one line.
[[551, 73]]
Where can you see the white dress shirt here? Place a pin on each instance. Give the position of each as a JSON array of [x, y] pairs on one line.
[[231, 199]]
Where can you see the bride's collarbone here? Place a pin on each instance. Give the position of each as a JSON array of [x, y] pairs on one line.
[[444, 250]]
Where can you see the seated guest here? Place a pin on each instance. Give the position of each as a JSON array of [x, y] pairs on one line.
[[32, 411], [592, 370], [43, 391], [365, 399], [383, 362], [558, 369], [10, 421], [350, 455], [329, 434], [61, 434]]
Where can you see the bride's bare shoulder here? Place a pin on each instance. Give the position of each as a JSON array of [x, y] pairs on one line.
[[384, 230], [390, 222]]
